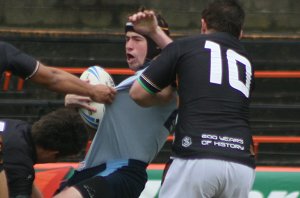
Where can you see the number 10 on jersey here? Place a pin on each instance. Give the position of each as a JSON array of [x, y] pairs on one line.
[[216, 71]]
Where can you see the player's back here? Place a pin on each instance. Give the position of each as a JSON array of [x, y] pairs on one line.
[[215, 78], [18, 155]]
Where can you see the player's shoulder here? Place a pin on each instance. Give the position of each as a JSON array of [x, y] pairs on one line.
[[4, 44], [6, 47], [186, 44], [8, 124], [191, 40], [13, 121]]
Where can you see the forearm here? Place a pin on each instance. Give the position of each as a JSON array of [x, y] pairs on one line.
[[67, 83], [160, 38], [36, 193], [60, 81]]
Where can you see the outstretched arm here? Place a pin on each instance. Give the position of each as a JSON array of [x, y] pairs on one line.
[[61, 81], [146, 23], [54, 79]]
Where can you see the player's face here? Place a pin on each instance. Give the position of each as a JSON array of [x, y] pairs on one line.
[[136, 50]]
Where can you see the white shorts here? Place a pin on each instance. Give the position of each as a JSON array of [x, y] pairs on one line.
[[207, 178]]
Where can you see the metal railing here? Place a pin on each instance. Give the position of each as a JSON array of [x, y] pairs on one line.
[[124, 71]]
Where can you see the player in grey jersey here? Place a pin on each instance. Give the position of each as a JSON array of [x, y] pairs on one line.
[[129, 136]]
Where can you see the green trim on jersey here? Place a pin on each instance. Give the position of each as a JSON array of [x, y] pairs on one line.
[[144, 86]]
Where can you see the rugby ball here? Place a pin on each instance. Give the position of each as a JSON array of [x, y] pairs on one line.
[[95, 75]]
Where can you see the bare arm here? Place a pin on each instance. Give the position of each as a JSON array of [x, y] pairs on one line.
[[146, 23], [3, 180], [61, 81], [3, 185], [145, 99], [69, 192], [36, 193]]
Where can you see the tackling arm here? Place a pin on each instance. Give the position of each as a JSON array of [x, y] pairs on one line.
[[61, 81], [146, 99]]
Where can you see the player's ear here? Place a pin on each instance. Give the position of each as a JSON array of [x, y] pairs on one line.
[[203, 26]]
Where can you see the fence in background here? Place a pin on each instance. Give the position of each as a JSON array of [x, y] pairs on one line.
[[123, 71]]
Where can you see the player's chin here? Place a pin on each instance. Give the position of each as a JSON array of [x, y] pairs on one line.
[[133, 66]]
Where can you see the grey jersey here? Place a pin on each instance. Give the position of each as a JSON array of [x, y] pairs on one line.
[[129, 131]]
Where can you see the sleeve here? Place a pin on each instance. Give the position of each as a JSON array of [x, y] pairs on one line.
[[17, 61], [21, 188], [20, 179], [162, 70]]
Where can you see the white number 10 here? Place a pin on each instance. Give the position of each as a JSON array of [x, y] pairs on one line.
[[216, 71]]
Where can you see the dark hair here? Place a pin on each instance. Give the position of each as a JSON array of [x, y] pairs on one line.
[[224, 16], [152, 49], [62, 130]]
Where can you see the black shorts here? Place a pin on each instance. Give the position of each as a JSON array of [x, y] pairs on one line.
[[126, 182]]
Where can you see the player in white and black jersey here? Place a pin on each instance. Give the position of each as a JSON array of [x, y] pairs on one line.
[[59, 134], [213, 148], [27, 67]]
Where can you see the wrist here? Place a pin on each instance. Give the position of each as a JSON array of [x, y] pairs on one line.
[[155, 32], [91, 92]]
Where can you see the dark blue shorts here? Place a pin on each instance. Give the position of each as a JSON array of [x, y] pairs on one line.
[[126, 182]]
